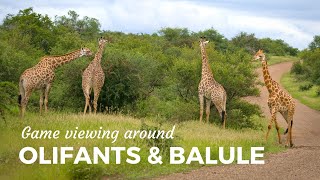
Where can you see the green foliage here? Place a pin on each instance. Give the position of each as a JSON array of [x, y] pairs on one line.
[[243, 115], [315, 43], [310, 97], [273, 47], [8, 96], [37, 26], [86, 171], [311, 65], [247, 41], [305, 87], [86, 27], [277, 47], [221, 43], [177, 36], [318, 91], [163, 144], [297, 68], [146, 75]]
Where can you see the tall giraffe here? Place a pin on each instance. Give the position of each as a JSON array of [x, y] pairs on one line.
[[278, 101], [93, 78], [41, 76], [210, 89]]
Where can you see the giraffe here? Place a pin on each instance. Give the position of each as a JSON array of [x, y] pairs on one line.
[[210, 89], [41, 76], [278, 101], [93, 78]]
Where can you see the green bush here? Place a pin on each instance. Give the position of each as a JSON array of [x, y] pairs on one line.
[[241, 115], [318, 91], [8, 96], [163, 144], [146, 75], [297, 68], [305, 87]]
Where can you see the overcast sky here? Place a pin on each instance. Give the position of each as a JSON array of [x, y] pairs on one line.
[[296, 22]]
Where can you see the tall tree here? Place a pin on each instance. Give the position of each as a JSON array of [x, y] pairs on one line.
[[38, 27], [315, 43]]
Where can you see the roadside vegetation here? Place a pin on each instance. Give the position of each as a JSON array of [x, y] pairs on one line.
[[149, 77], [304, 79]]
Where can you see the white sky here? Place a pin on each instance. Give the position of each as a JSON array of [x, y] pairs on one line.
[[296, 22]]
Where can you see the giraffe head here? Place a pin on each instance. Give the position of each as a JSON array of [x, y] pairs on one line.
[[85, 52], [102, 41], [203, 42], [259, 56]]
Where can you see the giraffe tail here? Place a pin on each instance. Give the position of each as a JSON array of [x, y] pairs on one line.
[[21, 93], [223, 113], [19, 99], [288, 128]]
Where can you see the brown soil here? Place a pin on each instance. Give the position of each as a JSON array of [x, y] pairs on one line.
[[300, 162]]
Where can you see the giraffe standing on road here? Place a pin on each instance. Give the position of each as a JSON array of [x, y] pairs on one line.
[[93, 78], [210, 89], [278, 101], [41, 76]]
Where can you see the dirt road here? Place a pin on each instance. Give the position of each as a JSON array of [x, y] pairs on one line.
[[300, 162]]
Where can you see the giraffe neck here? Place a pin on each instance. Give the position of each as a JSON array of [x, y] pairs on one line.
[[205, 65], [61, 60], [98, 56], [266, 76]]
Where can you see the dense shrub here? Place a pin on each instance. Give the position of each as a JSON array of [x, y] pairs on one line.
[[305, 87], [297, 68], [146, 75], [318, 91], [8, 97]]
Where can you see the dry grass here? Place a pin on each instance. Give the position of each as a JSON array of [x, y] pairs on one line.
[[187, 135]]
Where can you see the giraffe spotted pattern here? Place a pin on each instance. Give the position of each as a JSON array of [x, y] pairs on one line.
[[278, 101], [93, 78], [41, 76], [209, 89]]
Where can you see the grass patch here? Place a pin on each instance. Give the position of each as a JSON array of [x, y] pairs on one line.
[[276, 60], [280, 59], [308, 97], [187, 135]]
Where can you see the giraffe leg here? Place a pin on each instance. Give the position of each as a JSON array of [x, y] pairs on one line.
[[221, 112], [87, 98], [221, 115], [46, 97], [289, 136], [224, 117], [208, 104], [273, 118], [277, 127], [201, 99], [224, 111], [95, 99], [24, 102], [41, 99], [285, 116]]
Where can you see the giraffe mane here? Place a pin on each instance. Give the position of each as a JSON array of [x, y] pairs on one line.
[[62, 54]]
